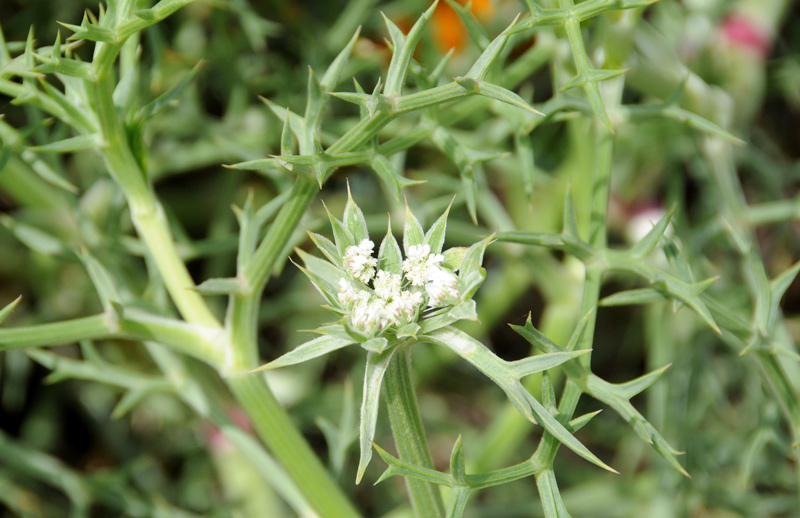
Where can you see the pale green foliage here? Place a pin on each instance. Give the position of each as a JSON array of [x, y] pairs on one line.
[[102, 121]]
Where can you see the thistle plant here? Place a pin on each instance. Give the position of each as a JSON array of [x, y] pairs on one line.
[[512, 168]]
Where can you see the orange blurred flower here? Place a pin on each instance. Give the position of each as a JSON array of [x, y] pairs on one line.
[[447, 28]]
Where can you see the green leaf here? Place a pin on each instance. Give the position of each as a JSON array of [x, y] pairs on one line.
[[343, 238], [377, 344], [324, 286], [458, 467], [315, 348], [6, 311], [33, 237], [403, 50], [389, 175], [412, 231], [542, 362], [435, 235], [453, 257], [637, 296], [405, 469], [523, 144], [495, 92], [326, 246], [472, 273], [324, 270], [629, 389], [170, 97], [222, 286], [616, 398], [491, 55], [569, 221], [334, 72], [373, 378], [779, 285], [464, 311], [354, 219], [763, 296], [408, 330], [549, 394], [498, 371], [643, 248], [70, 145], [101, 279], [581, 421], [390, 258]]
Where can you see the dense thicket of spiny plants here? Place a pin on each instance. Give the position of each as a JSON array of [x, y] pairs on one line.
[[248, 245]]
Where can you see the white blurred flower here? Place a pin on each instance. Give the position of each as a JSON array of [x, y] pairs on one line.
[[387, 285], [359, 262], [419, 261], [372, 316], [442, 287], [350, 297], [404, 306], [642, 222]]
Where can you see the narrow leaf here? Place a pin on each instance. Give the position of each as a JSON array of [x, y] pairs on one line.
[[373, 379], [542, 362], [390, 257], [412, 231], [643, 248], [222, 286], [315, 348], [6, 311], [435, 235], [354, 219]]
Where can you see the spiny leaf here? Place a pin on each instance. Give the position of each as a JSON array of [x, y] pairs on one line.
[[373, 379], [70, 145], [542, 362], [343, 238], [435, 235], [334, 71], [569, 221], [412, 231], [646, 245], [169, 97], [102, 280], [636, 296], [491, 55], [390, 257], [6, 311], [354, 218], [308, 351], [403, 51], [222, 286], [326, 246], [495, 92], [399, 467]]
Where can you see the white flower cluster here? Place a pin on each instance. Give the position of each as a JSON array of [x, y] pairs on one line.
[[359, 261], [388, 303]]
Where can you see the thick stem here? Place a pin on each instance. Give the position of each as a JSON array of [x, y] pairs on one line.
[[409, 434], [146, 211], [275, 428]]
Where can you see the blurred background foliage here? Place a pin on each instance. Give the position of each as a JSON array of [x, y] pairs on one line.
[[60, 448]]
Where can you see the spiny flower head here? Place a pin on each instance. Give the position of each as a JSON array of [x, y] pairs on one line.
[[393, 292]]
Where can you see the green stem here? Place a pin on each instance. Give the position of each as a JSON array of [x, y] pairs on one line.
[[146, 211], [409, 433], [275, 428], [601, 182], [57, 333]]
